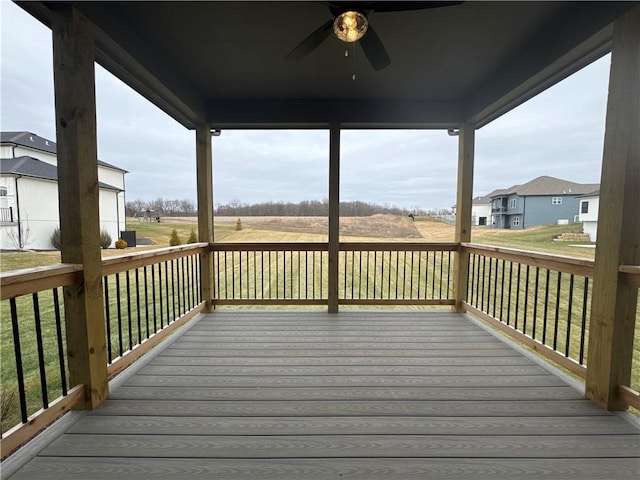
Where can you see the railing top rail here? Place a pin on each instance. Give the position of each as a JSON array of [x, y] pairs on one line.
[[31, 280], [323, 246], [632, 272], [122, 263], [561, 263], [631, 269], [270, 246], [400, 246]]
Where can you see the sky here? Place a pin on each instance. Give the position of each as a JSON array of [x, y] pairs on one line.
[[558, 133]]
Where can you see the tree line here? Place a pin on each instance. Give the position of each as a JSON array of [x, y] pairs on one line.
[[306, 208]]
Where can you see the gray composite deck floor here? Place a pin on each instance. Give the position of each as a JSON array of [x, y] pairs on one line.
[[367, 395]]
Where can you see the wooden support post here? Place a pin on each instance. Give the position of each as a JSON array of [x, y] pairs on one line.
[[334, 215], [204, 173], [613, 306], [466, 145], [74, 83]]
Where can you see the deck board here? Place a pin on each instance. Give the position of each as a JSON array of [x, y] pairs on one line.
[[361, 395]]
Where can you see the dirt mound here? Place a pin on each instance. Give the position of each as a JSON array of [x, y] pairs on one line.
[[381, 226]]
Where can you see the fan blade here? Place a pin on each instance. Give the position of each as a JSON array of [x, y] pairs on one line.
[[408, 6], [312, 42], [374, 49], [389, 6]]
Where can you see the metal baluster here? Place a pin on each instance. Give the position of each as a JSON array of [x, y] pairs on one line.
[[107, 318], [146, 298], [472, 262], [517, 297], [138, 307], [40, 347], [585, 303], [129, 324], [569, 315], [535, 303], [557, 317], [509, 293], [18, 355], [61, 362], [119, 307], [153, 298], [546, 308]]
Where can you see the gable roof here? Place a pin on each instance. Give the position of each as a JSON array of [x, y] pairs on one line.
[[546, 185], [31, 140], [481, 200], [499, 192], [595, 193], [34, 168]]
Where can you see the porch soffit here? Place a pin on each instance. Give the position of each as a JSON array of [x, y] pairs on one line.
[[224, 63]]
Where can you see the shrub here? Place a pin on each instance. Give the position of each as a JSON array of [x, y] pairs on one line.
[[120, 244], [174, 240], [193, 236], [8, 403], [105, 239], [238, 225], [55, 238]]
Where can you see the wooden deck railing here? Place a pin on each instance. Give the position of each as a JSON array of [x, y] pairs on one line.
[[541, 300], [270, 273], [369, 273], [146, 297], [33, 368], [396, 273]]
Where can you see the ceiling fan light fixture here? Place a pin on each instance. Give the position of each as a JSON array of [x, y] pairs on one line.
[[350, 26]]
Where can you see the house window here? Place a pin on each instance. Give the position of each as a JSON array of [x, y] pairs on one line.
[[584, 207], [556, 200], [3, 191], [515, 222], [513, 203]]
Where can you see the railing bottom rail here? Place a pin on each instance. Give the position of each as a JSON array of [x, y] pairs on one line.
[[535, 345], [41, 419]]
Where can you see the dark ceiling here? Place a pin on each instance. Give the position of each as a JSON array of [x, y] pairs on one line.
[[225, 63]]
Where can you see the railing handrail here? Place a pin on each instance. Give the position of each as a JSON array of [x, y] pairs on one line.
[[400, 246], [16, 283], [269, 246], [344, 246], [122, 263], [561, 263], [632, 273]]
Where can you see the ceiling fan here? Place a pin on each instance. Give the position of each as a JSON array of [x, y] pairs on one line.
[[350, 23]]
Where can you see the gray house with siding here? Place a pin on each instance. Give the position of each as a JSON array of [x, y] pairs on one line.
[[542, 201]]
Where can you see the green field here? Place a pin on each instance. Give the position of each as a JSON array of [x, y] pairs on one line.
[[253, 230]]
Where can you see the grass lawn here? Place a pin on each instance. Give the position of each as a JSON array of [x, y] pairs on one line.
[[536, 238]]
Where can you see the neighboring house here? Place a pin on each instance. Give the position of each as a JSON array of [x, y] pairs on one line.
[[480, 210], [542, 201], [589, 205], [29, 193]]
